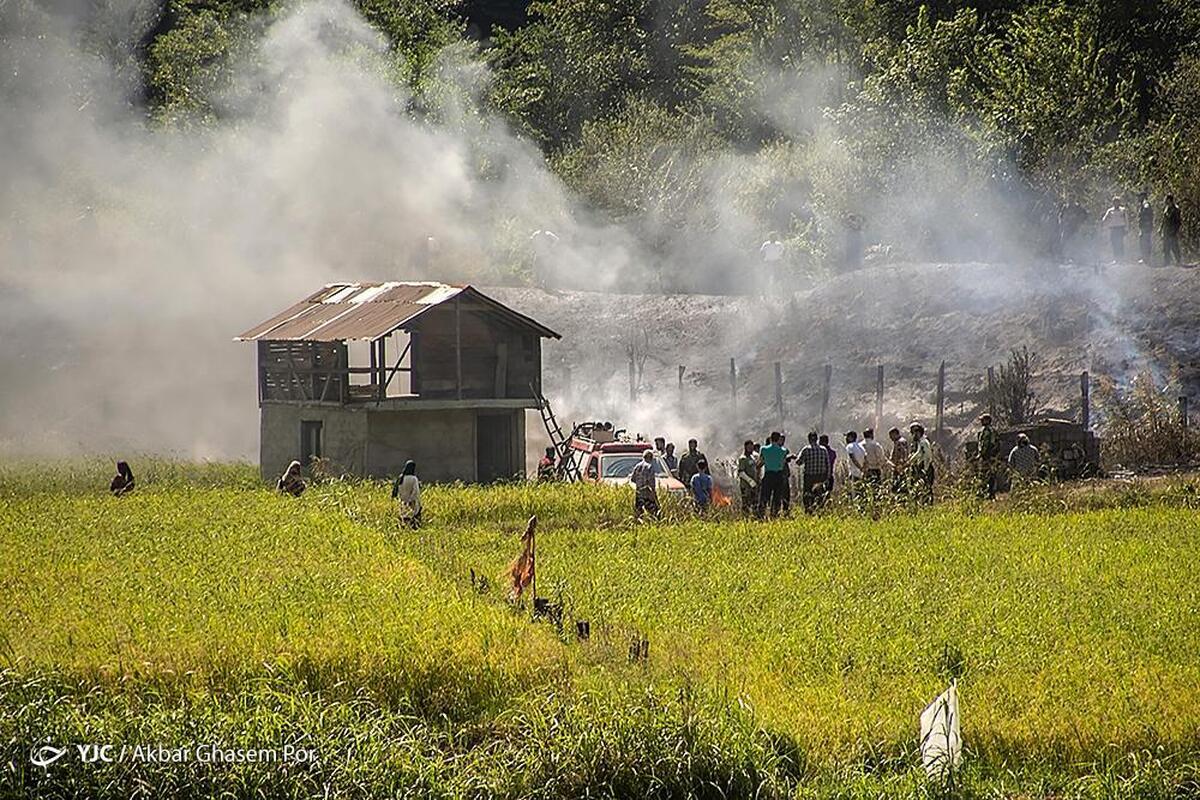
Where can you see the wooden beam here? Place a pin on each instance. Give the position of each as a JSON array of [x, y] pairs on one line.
[[878, 399], [500, 389], [941, 402], [1085, 416], [825, 394], [379, 381], [458, 345], [779, 392], [397, 367]]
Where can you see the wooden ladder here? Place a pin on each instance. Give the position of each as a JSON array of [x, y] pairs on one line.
[[562, 444]]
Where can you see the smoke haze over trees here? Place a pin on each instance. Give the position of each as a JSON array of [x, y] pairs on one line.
[[172, 170]]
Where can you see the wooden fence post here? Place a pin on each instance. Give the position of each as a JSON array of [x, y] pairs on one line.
[[1085, 400], [878, 399], [825, 395], [941, 402], [991, 392], [779, 392], [733, 385]]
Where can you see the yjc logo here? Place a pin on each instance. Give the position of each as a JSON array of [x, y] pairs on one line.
[[46, 755], [91, 753]]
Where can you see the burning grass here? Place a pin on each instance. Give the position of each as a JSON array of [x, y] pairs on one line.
[[788, 658]]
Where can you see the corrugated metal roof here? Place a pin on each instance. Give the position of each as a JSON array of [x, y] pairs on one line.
[[347, 311]]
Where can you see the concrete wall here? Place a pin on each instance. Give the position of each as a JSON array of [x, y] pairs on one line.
[[343, 436], [376, 442], [441, 442]]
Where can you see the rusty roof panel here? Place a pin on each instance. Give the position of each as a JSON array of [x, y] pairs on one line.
[[347, 311]]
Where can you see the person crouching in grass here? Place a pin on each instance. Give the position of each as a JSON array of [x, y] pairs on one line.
[[407, 489], [122, 482], [290, 481]]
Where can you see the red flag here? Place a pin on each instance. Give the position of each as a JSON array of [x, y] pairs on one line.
[[521, 571]]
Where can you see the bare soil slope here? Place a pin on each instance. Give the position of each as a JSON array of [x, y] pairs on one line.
[[1116, 323]]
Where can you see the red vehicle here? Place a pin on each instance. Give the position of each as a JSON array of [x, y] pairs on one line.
[[607, 456]]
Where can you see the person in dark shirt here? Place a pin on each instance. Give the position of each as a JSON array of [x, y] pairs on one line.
[[832, 454], [1172, 221], [814, 473], [773, 486], [547, 470], [1145, 229], [988, 451], [672, 460], [122, 483], [689, 463], [291, 482]]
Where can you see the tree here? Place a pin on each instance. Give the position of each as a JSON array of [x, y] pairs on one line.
[[1012, 392]]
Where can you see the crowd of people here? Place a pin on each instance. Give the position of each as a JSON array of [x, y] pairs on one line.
[[768, 475], [766, 472], [1116, 223]]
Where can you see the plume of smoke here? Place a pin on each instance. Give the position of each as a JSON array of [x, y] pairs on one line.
[[129, 254]]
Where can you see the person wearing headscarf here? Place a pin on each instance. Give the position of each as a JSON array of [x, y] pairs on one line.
[[407, 489], [291, 482], [122, 482]]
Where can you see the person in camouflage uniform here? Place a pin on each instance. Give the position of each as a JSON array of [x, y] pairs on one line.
[[988, 452], [749, 476]]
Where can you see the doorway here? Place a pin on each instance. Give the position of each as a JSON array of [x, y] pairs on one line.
[[493, 447], [310, 441]]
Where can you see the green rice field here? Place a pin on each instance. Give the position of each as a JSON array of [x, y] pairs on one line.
[[785, 659]]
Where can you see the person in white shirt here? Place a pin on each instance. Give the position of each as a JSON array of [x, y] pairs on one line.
[[856, 459], [771, 250], [874, 459], [407, 489], [920, 462], [1114, 221]]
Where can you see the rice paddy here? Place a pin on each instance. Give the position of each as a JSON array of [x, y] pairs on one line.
[[785, 659]]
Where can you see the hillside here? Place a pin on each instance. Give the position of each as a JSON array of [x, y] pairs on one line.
[[1117, 324]]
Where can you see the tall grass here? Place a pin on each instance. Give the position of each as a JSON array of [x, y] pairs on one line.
[[786, 659]]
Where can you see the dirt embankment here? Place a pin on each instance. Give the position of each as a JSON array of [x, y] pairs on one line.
[[1115, 323]]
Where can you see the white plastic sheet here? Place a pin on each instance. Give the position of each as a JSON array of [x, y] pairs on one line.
[[941, 740]]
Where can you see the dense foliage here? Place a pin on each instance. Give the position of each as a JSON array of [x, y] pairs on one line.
[[940, 124]]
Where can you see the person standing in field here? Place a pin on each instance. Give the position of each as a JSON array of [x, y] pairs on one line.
[[702, 487], [122, 483], [660, 445], [1146, 229], [856, 460], [773, 486], [547, 471], [899, 459], [987, 449], [788, 458], [689, 463], [874, 459], [1172, 221], [1114, 221], [671, 460], [921, 462], [645, 484], [407, 489], [814, 473], [832, 455], [748, 478], [1024, 459], [291, 482], [1070, 222]]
